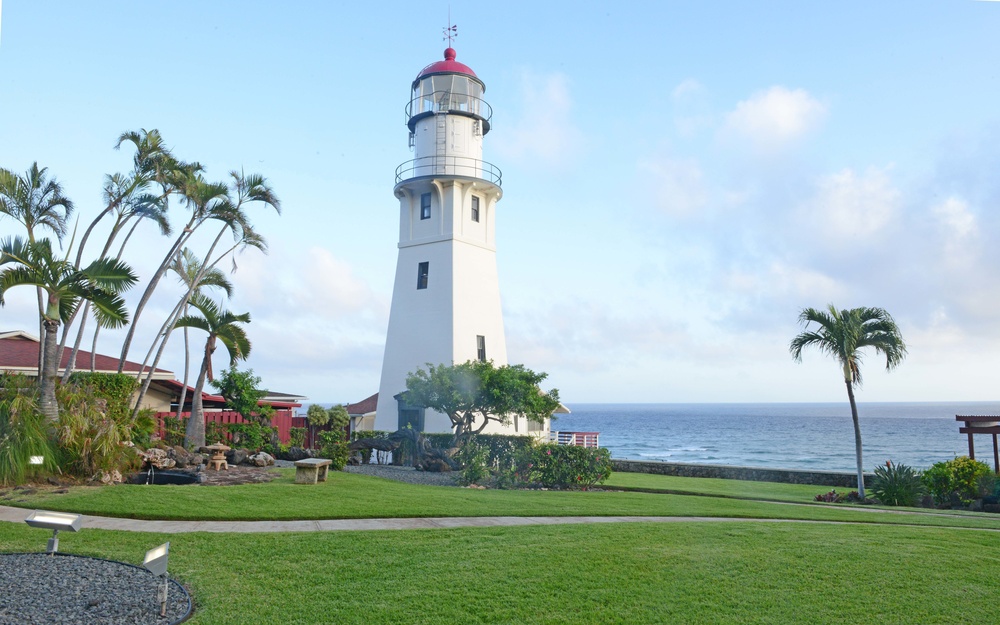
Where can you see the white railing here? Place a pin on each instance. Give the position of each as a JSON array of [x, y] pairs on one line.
[[580, 439]]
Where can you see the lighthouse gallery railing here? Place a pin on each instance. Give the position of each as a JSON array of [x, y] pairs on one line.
[[449, 166]]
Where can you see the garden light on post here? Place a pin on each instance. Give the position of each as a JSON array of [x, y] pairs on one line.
[[54, 521], [156, 563]]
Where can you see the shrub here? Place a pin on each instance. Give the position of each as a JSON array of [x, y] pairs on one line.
[[334, 447], [23, 431], [569, 466], [831, 497], [173, 431], [897, 485], [215, 432], [90, 438], [958, 481], [253, 436], [474, 459], [297, 437]]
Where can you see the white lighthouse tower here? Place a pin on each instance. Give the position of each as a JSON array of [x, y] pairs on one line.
[[446, 297]]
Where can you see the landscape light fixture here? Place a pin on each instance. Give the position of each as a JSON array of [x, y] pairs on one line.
[[36, 460], [156, 563], [54, 521]]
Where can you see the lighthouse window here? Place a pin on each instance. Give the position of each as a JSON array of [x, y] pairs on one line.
[[425, 205], [475, 208], [481, 348], [422, 270]]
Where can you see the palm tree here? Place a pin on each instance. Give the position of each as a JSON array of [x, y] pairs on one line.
[[100, 283], [188, 268], [141, 194], [35, 201], [221, 325], [213, 202], [843, 334]]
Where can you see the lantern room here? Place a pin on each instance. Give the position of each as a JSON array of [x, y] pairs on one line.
[[448, 87]]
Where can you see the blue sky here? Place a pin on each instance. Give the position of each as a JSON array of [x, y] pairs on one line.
[[680, 179]]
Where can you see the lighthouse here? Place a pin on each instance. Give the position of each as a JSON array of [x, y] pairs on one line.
[[446, 296]]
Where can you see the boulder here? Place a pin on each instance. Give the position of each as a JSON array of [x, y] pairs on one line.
[[261, 459], [198, 460], [236, 456], [297, 453]]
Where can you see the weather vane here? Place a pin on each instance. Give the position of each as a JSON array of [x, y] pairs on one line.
[[451, 31]]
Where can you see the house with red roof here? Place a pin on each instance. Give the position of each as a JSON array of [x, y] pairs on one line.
[[19, 354]]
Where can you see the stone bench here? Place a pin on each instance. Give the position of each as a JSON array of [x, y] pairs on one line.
[[311, 470]]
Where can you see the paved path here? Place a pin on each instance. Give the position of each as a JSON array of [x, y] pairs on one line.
[[17, 515]]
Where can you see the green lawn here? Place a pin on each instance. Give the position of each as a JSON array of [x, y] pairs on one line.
[[684, 573], [878, 572], [349, 496]]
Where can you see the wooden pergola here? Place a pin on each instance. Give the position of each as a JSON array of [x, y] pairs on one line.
[[981, 424]]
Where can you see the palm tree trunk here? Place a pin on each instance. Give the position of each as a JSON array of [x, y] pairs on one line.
[[50, 407], [187, 369], [857, 440], [194, 433], [164, 266]]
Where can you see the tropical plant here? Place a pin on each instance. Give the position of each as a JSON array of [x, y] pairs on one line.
[[317, 415], [23, 431], [222, 326], [92, 440], [959, 481], [135, 197], [188, 268], [842, 334], [475, 393], [897, 485], [208, 202], [35, 201], [334, 447], [241, 390], [101, 283]]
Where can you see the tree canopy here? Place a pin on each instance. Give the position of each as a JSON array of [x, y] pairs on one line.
[[474, 393]]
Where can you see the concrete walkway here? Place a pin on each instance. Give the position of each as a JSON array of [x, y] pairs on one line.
[[17, 515]]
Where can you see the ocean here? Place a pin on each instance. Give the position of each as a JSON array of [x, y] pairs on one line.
[[786, 435]]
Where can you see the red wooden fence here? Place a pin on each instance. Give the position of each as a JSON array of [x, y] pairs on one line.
[[283, 421]]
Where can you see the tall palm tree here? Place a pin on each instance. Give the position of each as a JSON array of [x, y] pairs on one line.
[[222, 326], [188, 268], [842, 334], [35, 201], [138, 195], [100, 283], [220, 203]]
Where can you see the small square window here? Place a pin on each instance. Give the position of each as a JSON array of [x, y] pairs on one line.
[[475, 208], [425, 206], [481, 348], [422, 270]]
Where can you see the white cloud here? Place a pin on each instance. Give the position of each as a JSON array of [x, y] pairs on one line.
[[960, 230], [690, 107], [773, 119], [849, 206], [544, 131], [679, 185]]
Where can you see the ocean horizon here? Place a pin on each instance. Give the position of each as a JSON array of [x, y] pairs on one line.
[[792, 435]]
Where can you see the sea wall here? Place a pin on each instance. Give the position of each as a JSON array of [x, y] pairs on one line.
[[729, 472]]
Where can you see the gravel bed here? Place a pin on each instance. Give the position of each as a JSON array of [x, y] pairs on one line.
[[405, 474], [38, 588]]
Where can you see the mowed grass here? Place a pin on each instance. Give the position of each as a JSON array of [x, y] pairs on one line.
[[732, 572], [740, 489], [350, 496]]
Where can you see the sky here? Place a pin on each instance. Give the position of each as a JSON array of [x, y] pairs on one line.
[[680, 178]]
